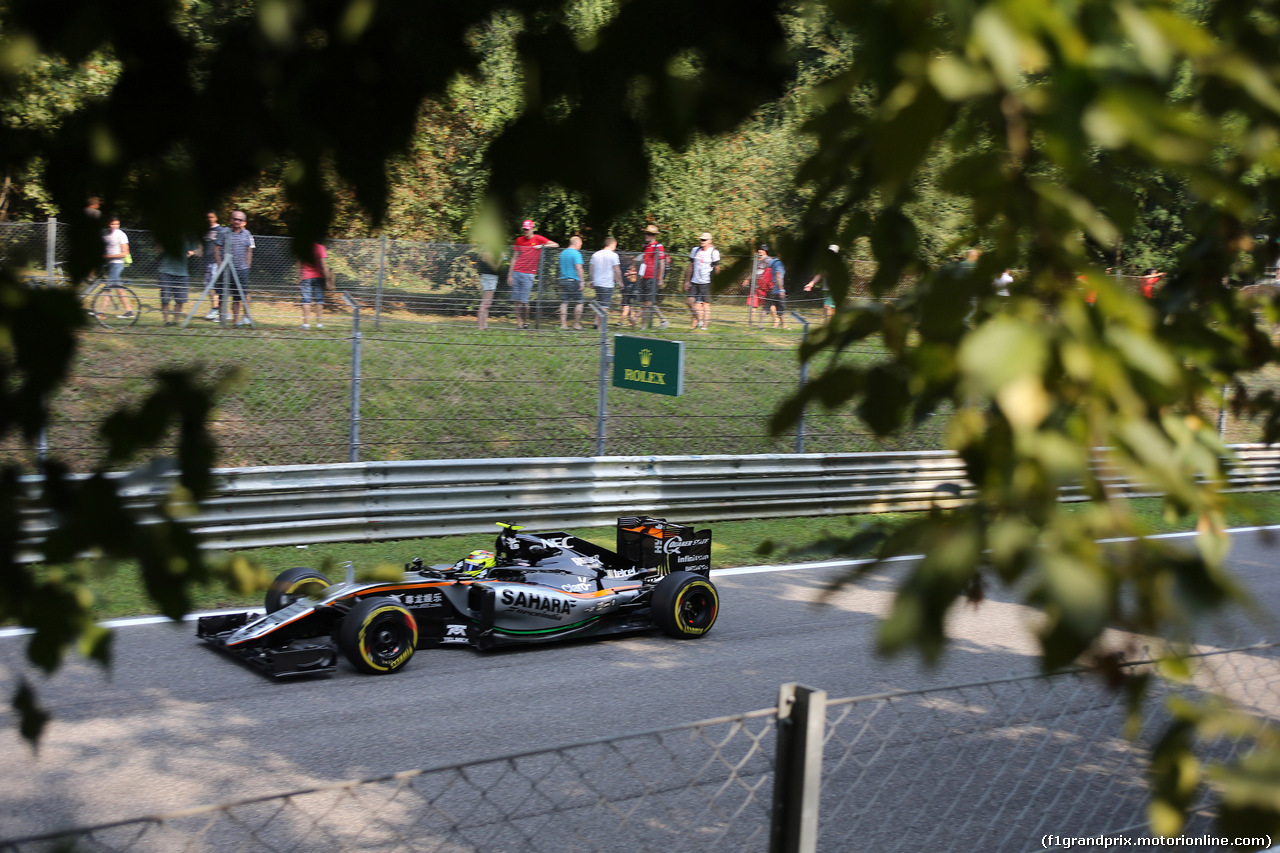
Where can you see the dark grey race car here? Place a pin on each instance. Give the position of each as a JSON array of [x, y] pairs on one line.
[[533, 588]]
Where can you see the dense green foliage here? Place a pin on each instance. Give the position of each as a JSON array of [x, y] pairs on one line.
[[737, 184]]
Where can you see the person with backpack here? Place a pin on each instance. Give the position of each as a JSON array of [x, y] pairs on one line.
[[776, 298], [653, 269], [704, 260]]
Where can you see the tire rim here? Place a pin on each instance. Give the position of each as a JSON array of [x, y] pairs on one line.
[[697, 608], [386, 642]]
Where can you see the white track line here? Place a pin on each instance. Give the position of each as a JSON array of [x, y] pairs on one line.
[[740, 570]]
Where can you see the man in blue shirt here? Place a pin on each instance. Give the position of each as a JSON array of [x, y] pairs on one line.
[[571, 279]]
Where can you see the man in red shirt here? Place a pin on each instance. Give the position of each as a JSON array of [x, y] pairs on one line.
[[653, 267], [524, 266], [315, 276], [1149, 281]]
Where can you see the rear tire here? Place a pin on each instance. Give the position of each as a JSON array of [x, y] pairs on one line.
[[685, 605], [292, 584], [378, 636], [116, 306]]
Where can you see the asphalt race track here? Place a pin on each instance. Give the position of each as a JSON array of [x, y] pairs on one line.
[[174, 725]]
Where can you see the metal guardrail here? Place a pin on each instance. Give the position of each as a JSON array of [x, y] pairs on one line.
[[372, 501]]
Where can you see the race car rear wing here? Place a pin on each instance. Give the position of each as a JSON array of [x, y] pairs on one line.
[[655, 543]]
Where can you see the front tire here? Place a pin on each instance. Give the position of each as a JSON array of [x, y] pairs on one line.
[[115, 306], [292, 584], [685, 605], [378, 636]]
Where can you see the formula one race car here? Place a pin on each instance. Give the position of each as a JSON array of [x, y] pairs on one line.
[[533, 588]]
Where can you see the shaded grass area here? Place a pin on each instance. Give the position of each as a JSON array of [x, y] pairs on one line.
[[734, 543]]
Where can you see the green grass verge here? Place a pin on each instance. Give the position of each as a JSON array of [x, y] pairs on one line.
[[441, 390], [734, 543]]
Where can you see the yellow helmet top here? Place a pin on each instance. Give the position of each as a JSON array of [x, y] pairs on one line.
[[479, 560]]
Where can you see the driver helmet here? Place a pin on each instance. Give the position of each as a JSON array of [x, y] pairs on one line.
[[478, 560]]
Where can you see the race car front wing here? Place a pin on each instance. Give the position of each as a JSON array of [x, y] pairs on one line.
[[287, 659]]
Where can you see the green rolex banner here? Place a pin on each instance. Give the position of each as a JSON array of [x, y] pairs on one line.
[[647, 364]]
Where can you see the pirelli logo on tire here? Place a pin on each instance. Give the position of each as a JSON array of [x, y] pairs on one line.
[[708, 604], [378, 635]]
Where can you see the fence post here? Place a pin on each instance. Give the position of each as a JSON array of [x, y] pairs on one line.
[[804, 378], [797, 780], [382, 271], [50, 249], [537, 290], [602, 395], [1222, 414], [354, 452], [751, 293]]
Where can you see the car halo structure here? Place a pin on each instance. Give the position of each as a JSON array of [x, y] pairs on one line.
[[533, 588]]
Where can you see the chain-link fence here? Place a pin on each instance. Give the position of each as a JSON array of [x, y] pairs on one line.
[[702, 787], [421, 380], [401, 371], [436, 391], [1016, 765]]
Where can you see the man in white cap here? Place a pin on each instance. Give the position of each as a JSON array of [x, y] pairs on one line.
[[704, 261], [524, 267]]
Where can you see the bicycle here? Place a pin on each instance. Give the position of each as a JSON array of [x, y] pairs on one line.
[[113, 304]]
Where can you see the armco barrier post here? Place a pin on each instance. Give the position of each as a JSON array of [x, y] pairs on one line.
[[354, 454], [797, 779]]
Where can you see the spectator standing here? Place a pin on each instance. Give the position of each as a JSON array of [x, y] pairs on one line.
[[524, 266], [820, 280], [571, 283], [175, 276], [116, 249], [1003, 282], [704, 261], [93, 207], [314, 276], [211, 248], [1149, 281], [630, 289], [488, 286], [606, 275], [653, 267], [777, 293], [239, 247]]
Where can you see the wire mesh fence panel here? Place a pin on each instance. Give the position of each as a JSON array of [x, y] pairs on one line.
[[25, 244], [459, 393], [291, 404], [1015, 765], [705, 786], [731, 391]]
